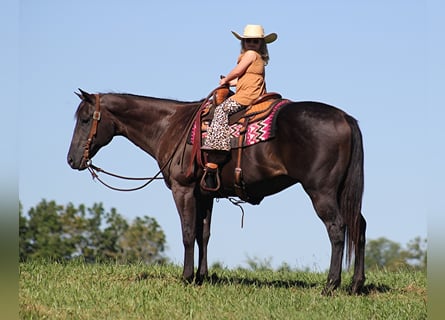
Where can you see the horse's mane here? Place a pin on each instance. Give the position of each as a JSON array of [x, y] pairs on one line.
[[136, 96], [153, 98]]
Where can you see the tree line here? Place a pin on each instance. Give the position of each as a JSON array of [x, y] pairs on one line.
[[57, 232], [53, 231], [380, 253], [384, 253]]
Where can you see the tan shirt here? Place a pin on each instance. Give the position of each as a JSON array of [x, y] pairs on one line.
[[251, 84]]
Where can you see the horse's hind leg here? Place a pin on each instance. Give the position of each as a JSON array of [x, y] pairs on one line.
[[358, 278], [204, 216], [327, 209]]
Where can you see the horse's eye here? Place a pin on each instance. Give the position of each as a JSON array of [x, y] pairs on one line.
[[85, 119]]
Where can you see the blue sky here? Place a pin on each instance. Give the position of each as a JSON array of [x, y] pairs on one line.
[[372, 59]]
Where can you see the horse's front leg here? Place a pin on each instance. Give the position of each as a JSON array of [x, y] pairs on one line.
[[204, 216], [186, 204]]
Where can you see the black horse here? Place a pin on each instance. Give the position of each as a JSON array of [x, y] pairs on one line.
[[315, 144]]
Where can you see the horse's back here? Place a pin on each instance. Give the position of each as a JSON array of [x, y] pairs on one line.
[[317, 111], [312, 120], [312, 136]]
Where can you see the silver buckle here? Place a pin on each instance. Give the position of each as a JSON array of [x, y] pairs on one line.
[[96, 115]]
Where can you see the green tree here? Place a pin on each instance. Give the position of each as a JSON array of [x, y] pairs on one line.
[[24, 237], [258, 264], [91, 247], [143, 241], [384, 253], [115, 229], [44, 231], [416, 253], [94, 232], [58, 232], [74, 224]]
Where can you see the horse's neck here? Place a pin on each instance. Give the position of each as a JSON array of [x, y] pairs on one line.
[[152, 124]]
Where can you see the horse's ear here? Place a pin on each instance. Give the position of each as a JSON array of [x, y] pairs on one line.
[[85, 96], [79, 95]]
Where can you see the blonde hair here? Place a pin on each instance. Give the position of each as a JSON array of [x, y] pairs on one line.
[[264, 53]]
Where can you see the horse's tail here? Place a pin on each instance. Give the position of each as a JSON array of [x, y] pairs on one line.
[[352, 191]]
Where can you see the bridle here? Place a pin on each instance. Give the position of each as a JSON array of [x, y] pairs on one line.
[[93, 130], [94, 170]]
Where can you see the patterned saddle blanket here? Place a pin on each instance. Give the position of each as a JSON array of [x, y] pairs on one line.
[[256, 122]]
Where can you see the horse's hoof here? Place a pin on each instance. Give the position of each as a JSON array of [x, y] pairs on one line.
[[356, 289], [201, 277], [187, 280], [330, 287], [199, 281]]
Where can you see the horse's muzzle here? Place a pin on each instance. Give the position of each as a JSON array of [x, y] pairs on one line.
[[80, 165]]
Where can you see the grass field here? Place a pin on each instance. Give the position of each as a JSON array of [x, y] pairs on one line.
[[77, 290]]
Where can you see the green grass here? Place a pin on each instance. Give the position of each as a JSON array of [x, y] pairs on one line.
[[77, 290]]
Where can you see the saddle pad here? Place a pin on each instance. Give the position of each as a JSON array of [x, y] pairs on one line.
[[257, 131]]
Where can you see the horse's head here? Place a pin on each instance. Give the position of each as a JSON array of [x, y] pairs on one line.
[[93, 130]]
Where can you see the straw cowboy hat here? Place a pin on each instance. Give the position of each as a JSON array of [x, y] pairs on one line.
[[256, 31]]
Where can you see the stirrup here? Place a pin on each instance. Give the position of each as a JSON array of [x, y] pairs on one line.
[[210, 180]]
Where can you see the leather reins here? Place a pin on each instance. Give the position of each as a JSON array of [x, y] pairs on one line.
[[94, 170]]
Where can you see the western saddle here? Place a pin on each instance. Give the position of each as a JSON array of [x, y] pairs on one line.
[[258, 110]]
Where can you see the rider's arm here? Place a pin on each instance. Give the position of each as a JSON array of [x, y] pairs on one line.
[[240, 68]]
